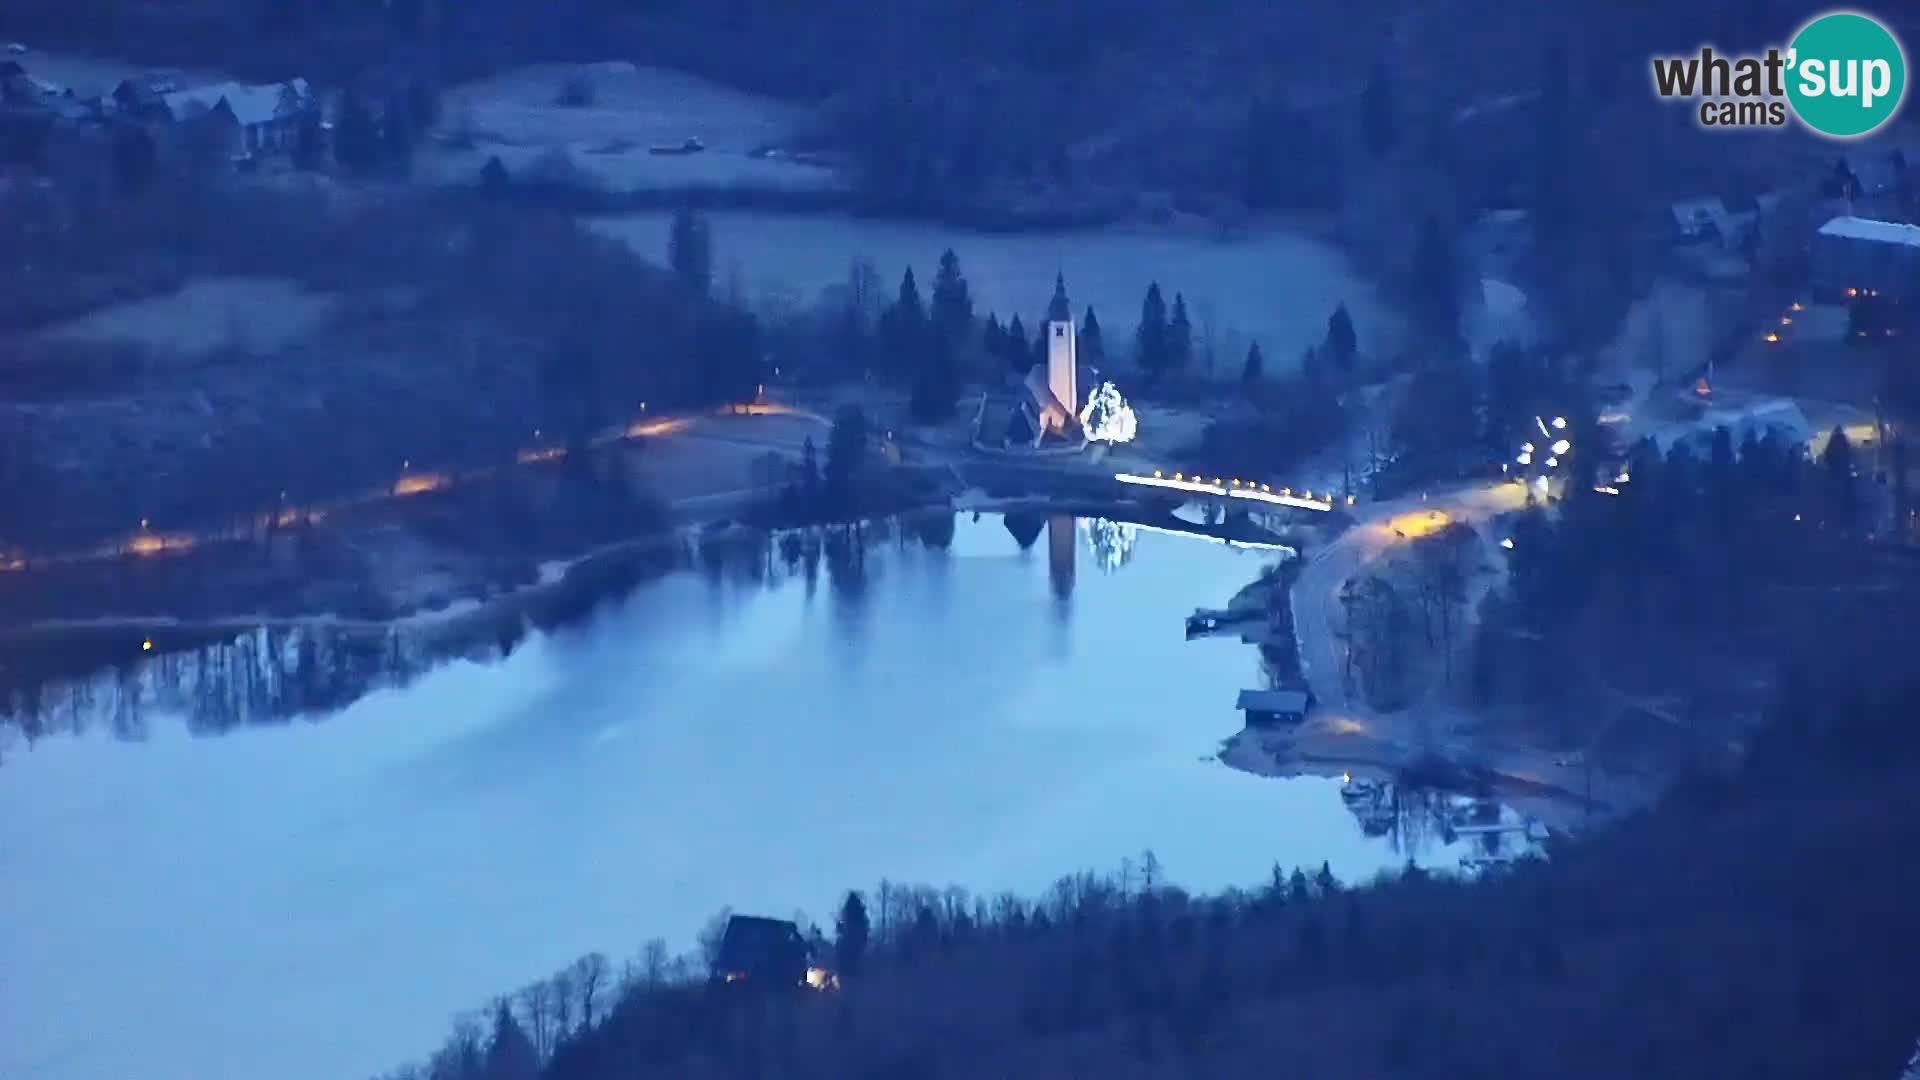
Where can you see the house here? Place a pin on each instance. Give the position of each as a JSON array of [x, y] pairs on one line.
[[1866, 177], [1876, 185], [1275, 706], [761, 954], [16, 86], [1855, 256], [243, 121], [137, 100], [1699, 220]]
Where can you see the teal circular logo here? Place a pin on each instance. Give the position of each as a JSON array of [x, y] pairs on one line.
[[1846, 75]]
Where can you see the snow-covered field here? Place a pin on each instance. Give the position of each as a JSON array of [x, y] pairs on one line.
[[251, 314], [88, 76], [1272, 285], [517, 117]]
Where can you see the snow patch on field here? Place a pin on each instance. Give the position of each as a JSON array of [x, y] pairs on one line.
[[517, 117], [90, 76], [259, 315]]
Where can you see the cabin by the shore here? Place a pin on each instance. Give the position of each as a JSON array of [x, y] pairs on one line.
[[1267, 708]]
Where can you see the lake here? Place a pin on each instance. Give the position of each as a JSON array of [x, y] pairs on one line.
[[1270, 284], [197, 886]]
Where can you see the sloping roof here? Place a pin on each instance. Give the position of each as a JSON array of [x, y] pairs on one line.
[[250, 104], [1695, 213], [1879, 232], [1275, 701], [1043, 397], [752, 941]]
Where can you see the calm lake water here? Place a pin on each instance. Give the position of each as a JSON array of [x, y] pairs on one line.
[[318, 899]]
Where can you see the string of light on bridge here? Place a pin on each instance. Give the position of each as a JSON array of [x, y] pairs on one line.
[[1231, 488]]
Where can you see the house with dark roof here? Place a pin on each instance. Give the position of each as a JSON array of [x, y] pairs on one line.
[[16, 86], [1275, 706], [1699, 220], [136, 100], [1854, 257], [761, 954], [243, 121]]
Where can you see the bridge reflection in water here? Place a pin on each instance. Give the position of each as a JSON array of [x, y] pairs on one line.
[[223, 677]]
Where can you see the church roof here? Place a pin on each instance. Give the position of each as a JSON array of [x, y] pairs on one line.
[[1041, 393]]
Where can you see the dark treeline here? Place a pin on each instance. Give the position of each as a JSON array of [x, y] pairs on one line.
[[1240, 104], [1678, 944], [1724, 553]]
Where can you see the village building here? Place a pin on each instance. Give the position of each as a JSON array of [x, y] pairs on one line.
[[15, 84], [1855, 257], [1699, 221], [239, 121], [137, 100], [1275, 707], [761, 954], [1046, 406]]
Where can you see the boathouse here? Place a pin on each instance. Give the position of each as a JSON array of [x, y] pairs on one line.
[[1270, 707]]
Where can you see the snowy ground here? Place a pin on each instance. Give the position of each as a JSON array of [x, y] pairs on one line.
[[516, 116], [89, 76], [1273, 285], [252, 314]]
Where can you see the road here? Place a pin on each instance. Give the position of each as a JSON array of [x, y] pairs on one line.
[[1346, 734], [1317, 612]]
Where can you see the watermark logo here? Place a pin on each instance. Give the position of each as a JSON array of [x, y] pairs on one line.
[[1843, 75]]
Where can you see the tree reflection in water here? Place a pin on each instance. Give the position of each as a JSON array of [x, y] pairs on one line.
[[274, 674], [1111, 542], [1418, 821]]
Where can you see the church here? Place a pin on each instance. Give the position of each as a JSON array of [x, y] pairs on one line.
[[1047, 408]]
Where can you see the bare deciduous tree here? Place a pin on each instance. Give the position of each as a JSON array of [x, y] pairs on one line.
[[589, 975], [536, 1004], [654, 961], [1440, 578], [560, 990]]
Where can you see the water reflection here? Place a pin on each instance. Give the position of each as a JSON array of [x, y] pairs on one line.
[[1111, 542], [721, 735], [1060, 541], [1024, 527], [271, 675], [1418, 822], [274, 674]]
